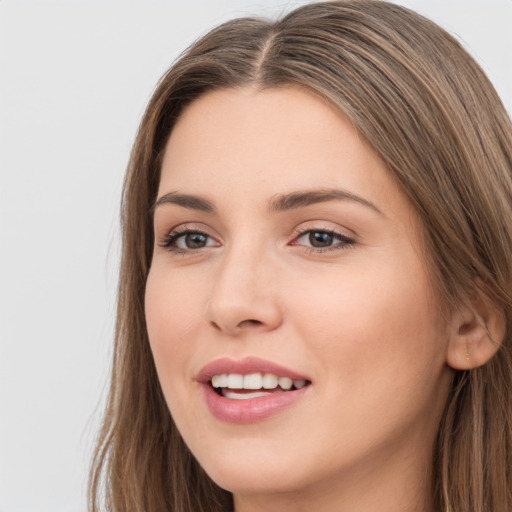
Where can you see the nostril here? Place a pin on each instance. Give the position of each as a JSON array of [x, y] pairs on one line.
[[250, 323], [240, 327], [216, 326]]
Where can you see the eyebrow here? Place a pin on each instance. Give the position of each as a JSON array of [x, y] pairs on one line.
[[305, 198], [278, 203], [186, 201]]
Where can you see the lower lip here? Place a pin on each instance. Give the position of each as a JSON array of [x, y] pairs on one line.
[[251, 409]]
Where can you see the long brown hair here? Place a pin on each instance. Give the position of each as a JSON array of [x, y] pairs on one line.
[[430, 112]]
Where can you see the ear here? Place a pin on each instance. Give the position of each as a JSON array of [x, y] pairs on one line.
[[476, 332]]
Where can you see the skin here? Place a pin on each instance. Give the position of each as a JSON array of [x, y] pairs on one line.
[[360, 319]]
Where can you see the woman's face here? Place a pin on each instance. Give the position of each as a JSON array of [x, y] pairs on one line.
[[286, 253]]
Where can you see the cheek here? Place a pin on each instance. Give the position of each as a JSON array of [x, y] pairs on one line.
[[377, 325], [173, 306]]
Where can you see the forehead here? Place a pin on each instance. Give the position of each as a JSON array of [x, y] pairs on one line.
[[242, 146], [239, 135]]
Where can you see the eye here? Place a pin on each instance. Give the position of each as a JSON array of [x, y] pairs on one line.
[[320, 238], [187, 240], [323, 239]]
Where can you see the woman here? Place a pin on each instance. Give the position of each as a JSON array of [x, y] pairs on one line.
[[316, 287]]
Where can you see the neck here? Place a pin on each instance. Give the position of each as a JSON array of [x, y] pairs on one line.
[[399, 484]]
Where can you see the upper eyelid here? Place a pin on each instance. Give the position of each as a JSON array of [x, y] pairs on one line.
[[300, 230], [189, 227], [323, 225], [184, 228], [336, 234], [321, 230], [169, 242]]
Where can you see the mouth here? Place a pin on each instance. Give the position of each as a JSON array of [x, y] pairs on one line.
[[250, 390], [236, 386]]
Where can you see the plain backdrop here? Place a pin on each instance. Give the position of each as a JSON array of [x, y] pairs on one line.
[[74, 79]]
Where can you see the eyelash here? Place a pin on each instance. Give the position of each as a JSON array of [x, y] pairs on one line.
[[340, 241], [343, 242], [169, 240]]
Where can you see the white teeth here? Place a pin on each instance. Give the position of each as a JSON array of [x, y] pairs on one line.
[[220, 381], [285, 382], [255, 381], [235, 381], [270, 381], [244, 396], [299, 383]]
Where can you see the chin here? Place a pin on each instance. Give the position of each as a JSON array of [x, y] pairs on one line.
[[255, 480], [259, 471]]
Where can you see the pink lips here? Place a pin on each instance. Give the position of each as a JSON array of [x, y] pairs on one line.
[[253, 409]]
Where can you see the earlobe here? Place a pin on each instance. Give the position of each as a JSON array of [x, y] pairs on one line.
[[476, 333]]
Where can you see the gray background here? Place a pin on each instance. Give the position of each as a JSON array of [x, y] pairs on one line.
[[74, 80]]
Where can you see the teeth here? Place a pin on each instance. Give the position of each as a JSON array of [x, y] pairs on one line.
[[255, 381], [285, 382], [299, 383], [270, 381], [220, 381], [244, 396], [235, 381]]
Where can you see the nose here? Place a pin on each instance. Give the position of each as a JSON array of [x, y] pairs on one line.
[[244, 296]]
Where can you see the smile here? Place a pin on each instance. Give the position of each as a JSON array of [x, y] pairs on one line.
[[236, 393], [235, 385]]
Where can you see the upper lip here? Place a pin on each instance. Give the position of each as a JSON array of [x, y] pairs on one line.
[[246, 366]]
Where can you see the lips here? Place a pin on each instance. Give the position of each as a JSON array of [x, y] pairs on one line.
[[245, 367], [251, 389]]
